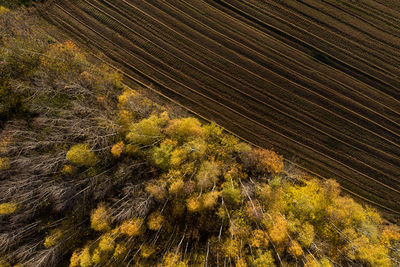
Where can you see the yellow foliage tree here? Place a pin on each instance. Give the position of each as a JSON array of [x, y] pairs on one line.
[[389, 234], [240, 262], [306, 234], [4, 163], [295, 249], [193, 204], [132, 227], [162, 154], [3, 10], [81, 154], [96, 256], [231, 248], [74, 260], [133, 103], [259, 239], [63, 59], [172, 259], [185, 129], [278, 233], [307, 202], [146, 251], [208, 174], [147, 131], [8, 208], [265, 260], [85, 258], [53, 238], [100, 219], [209, 200], [189, 152], [176, 187], [263, 160], [119, 251], [155, 221], [107, 242], [231, 194], [157, 190], [117, 149]]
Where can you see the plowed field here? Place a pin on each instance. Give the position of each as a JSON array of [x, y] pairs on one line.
[[318, 81]]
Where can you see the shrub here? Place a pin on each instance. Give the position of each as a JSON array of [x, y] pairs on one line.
[[81, 154]]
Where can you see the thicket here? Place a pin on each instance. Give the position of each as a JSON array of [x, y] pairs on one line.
[[92, 173]]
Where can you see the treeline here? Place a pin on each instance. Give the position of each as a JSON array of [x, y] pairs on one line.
[[92, 173]]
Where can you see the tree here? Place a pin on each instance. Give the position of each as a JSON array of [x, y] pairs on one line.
[[262, 160], [117, 149], [53, 238], [132, 227], [147, 131], [100, 219], [208, 174], [194, 204], [185, 129], [107, 242], [155, 221], [82, 155], [162, 154], [8, 208], [265, 260]]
